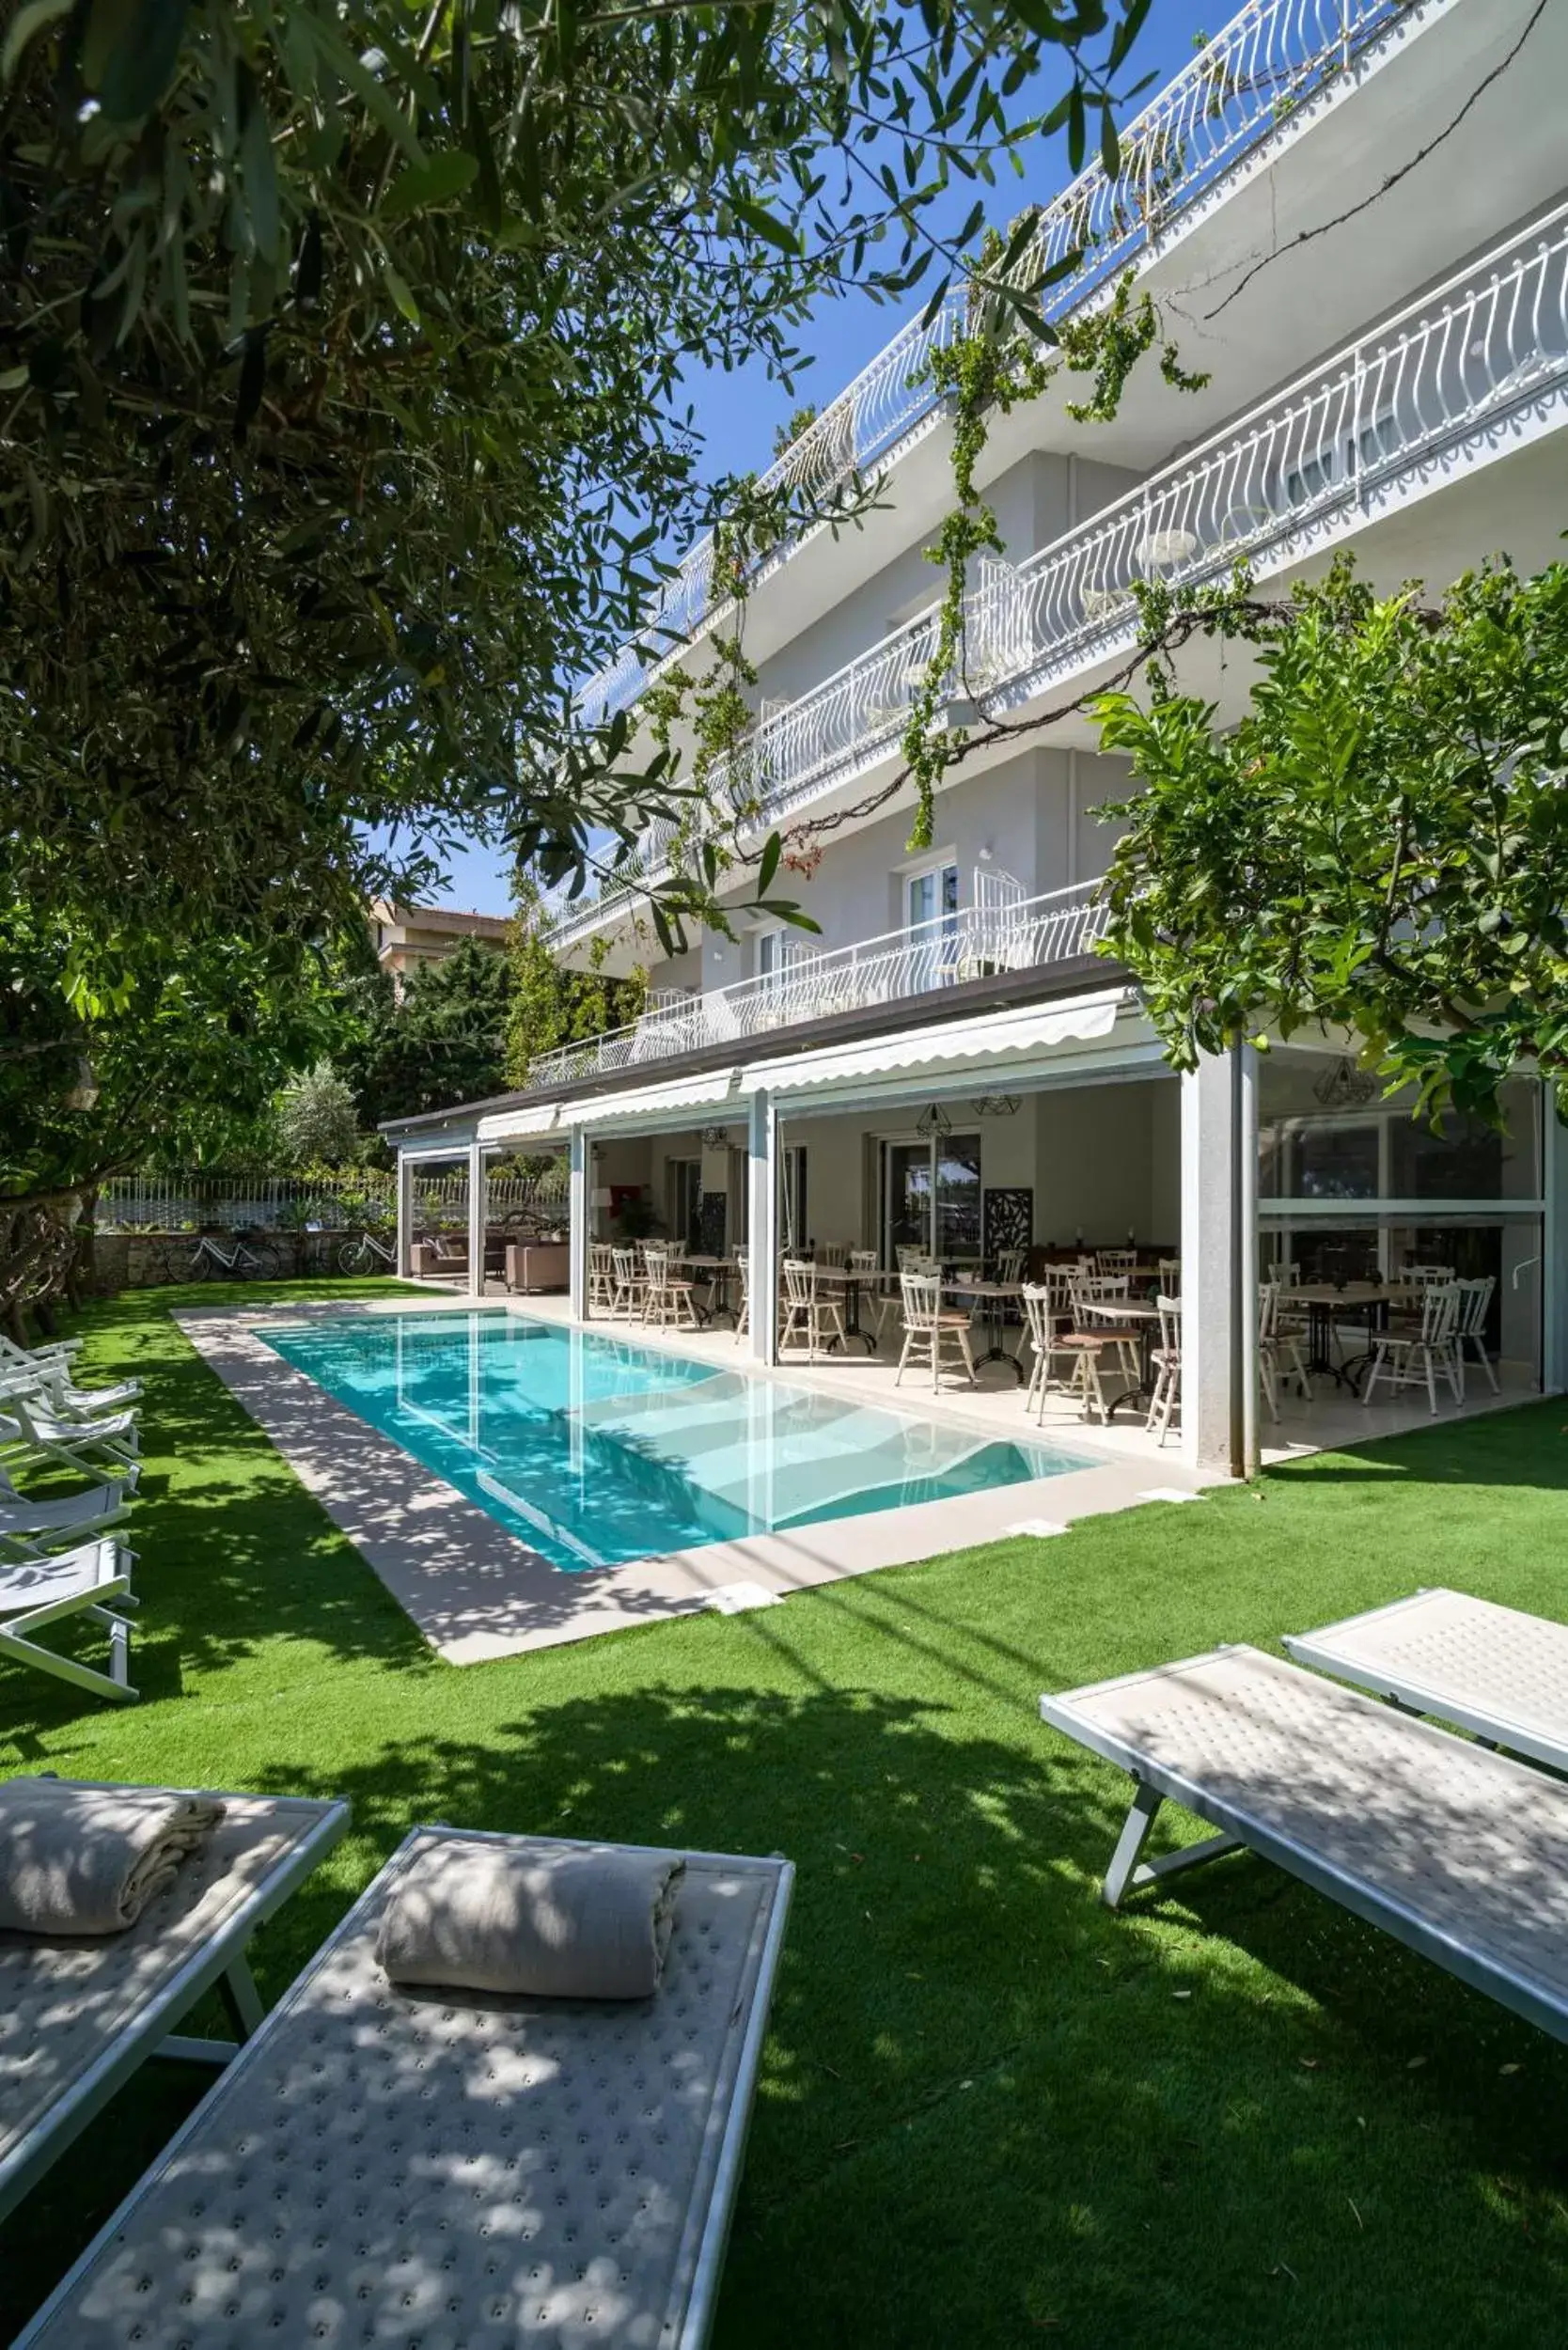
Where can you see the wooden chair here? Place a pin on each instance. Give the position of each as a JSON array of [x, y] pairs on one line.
[[1279, 1354], [743, 1311], [929, 1326], [629, 1284], [806, 1308], [1167, 1359], [1475, 1303], [601, 1284], [1116, 1261], [1426, 1353], [1010, 1264], [830, 1252], [667, 1302], [1170, 1270], [1090, 1342]]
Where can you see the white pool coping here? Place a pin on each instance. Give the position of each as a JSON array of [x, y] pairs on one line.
[[475, 1591]]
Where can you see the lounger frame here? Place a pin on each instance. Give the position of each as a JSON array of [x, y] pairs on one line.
[[221, 1962], [708, 2262], [1417, 1695], [1156, 1782]]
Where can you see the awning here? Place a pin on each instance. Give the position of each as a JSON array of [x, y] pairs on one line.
[[655, 1105], [1019, 1042]]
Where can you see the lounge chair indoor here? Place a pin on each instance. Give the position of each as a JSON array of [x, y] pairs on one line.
[[1458, 1851], [395, 2165], [79, 2017]]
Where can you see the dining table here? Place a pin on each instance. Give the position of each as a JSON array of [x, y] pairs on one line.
[[715, 1274], [1327, 1302], [994, 1296], [852, 1282]]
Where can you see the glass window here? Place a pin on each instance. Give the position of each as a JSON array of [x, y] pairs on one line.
[[933, 894], [958, 1197], [1333, 1162]]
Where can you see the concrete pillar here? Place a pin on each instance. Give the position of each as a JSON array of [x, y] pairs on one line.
[[1554, 1247], [762, 1224], [579, 1213], [1220, 1289], [405, 1216], [477, 1219]]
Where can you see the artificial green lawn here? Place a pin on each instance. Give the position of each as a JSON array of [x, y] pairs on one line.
[[991, 2111]]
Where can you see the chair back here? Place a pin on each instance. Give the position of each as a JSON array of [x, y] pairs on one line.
[[1010, 1264], [625, 1262], [922, 1299], [1475, 1299], [1170, 1271], [800, 1281], [1440, 1311], [741, 1252], [862, 1260], [1268, 1311], [830, 1252], [1039, 1314], [1170, 1311], [600, 1256], [1087, 1292], [1420, 1276], [1116, 1261], [906, 1257], [1058, 1285]]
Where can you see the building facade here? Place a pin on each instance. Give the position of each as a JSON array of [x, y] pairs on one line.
[[1351, 214], [407, 936]]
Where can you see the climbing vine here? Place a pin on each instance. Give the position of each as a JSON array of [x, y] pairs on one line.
[[989, 371]]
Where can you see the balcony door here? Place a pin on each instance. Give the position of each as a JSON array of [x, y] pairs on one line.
[[931, 1199], [931, 917]]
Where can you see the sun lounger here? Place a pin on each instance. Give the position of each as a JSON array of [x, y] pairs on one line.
[[78, 2016], [1498, 1673], [402, 2167], [94, 1446], [29, 1525], [1458, 1851], [94, 1579]]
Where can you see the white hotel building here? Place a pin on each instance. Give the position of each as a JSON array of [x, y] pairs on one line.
[[948, 1063]]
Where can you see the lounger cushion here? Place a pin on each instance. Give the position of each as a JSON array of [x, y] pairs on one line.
[[567, 1924], [80, 1859]]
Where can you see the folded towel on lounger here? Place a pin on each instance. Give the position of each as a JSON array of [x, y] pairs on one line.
[[88, 1859], [567, 1925]]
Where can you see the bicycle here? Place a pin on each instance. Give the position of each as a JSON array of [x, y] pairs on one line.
[[367, 1255], [246, 1260]]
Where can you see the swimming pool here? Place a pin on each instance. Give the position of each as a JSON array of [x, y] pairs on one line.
[[596, 1451]]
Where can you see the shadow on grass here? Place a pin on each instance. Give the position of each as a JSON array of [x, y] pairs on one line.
[[989, 2106]]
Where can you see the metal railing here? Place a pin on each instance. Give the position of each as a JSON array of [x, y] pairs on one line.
[[1316, 455], [1238, 89], [186, 1202], [973, 943]]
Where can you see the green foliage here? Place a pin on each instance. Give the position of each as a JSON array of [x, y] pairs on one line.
[[316, 1120], [441, 1041], [552, 1005], [1380, 844]]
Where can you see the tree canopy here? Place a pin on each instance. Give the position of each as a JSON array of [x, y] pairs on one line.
[[442, 1040], [1380, 844]]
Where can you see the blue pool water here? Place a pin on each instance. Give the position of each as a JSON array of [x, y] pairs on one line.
[[594, 1449]]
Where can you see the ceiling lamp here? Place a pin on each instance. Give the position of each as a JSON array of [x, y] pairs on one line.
[[934, 1120], [995, 1106], [1344, 1087]]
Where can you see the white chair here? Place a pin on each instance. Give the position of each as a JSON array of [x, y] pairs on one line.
[[1116, 1261], [1089, 1343], [629, 1284], [1280, 1356], [601, 1283], [929, 1326], [831, 1252], [1475, 1303], [1423, 1354], [667, 1303], [1170, 1271], [79, 1582], [806, 1309], [743, 1311], [27, 1526], [1167, 1360], [1041, 1316], [100, 1447], [1010, 1264]]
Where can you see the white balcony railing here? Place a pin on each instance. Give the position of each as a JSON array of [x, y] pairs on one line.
[[1233, 94], [813, 984], [1312, 461]]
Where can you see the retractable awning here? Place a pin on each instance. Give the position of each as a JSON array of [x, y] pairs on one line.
[[1028, 1040], [718, 1092]]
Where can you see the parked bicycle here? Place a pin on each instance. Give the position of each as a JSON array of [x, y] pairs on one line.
[[210, 1261], [367, 1255]]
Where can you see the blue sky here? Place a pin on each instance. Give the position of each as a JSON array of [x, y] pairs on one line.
[[740, 413]]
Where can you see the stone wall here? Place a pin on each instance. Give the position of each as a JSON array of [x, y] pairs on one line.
[[110, 1262]]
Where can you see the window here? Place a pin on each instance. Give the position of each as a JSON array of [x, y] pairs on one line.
[[933, 896]]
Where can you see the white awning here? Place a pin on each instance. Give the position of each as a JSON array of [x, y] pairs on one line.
[[525, 1124], [653, 1106], [1020, 1042]]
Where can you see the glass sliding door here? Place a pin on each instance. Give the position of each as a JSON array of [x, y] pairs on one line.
[[931, 1199]]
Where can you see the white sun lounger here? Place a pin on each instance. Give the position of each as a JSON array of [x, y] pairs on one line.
[[86, 1581], [445, 2168], [1495, 1672], [97, 1447], [28, 1525], [1458, 1851], [79, 2015]]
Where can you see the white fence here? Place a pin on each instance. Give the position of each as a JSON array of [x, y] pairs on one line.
[[186, 1202], [975, 942], [1238, 89], [1311, 460]]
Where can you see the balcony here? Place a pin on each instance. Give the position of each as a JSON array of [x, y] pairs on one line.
[[1005, 931], [1233, 95], [1379, 421]]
